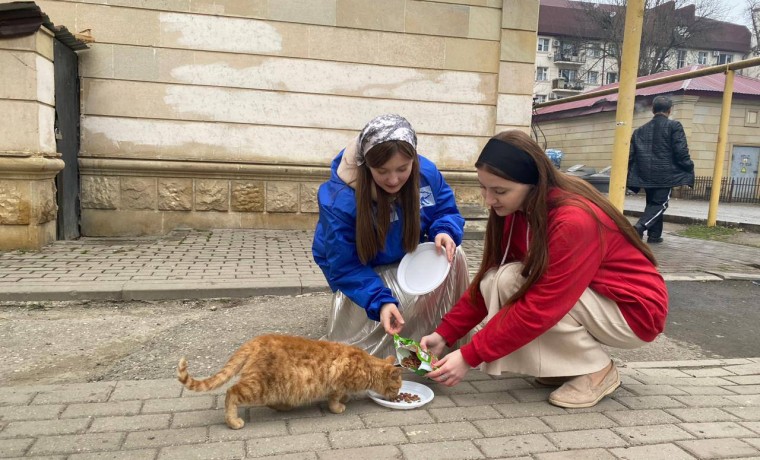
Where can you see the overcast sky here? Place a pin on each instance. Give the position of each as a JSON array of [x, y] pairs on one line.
[[736, 11]]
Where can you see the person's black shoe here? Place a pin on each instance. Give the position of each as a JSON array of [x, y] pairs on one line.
[[654, 239]]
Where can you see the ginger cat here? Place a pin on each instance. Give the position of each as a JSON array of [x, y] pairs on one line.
[[283, 372]]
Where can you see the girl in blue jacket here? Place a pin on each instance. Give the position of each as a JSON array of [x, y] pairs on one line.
[[381, 201]]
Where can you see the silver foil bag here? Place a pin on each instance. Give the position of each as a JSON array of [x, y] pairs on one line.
[[348, 323]]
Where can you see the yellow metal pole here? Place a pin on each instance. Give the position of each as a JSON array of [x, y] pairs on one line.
[[634, 18], [720, 150]]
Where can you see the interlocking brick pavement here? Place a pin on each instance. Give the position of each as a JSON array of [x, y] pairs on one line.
[[484, 417]]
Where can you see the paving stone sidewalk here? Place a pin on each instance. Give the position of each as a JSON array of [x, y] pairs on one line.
[[664, 410], [241, 263]]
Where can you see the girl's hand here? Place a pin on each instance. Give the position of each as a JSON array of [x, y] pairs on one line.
[[451, 369], [444, 242], [433, 344], [391, 318]]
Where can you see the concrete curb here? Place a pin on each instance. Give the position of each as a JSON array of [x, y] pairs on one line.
[[154, 290], [204, 289], [675, 219]]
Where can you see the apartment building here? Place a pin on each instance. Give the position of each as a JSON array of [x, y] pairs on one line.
[[571, 52]]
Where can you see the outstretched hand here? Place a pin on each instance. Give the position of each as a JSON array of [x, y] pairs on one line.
[[391, 319], [444, 242], [451, 369], [433, 344]]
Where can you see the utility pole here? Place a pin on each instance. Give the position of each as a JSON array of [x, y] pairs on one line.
[[720, 149], [634, 20]]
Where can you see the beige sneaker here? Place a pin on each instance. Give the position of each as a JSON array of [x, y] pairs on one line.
[[579, 392]]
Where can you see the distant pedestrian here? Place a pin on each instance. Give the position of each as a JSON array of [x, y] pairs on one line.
[[658, 161], [381, 201], [563, 273]]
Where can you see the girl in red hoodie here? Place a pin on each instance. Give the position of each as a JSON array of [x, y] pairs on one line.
[[563, 272]]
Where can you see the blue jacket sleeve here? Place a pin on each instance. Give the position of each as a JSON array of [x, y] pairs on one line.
[[343, 269], [446, 217]]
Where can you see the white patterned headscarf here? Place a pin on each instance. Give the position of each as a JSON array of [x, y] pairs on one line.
[[381, 129]]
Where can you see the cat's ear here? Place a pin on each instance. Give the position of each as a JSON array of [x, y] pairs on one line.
[[396, 373], [391, 359]]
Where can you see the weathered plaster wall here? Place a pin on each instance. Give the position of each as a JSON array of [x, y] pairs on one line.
[[211, 113]]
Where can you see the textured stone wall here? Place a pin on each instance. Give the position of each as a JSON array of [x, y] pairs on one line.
[[248, 85], [202, 195], [28, 158]]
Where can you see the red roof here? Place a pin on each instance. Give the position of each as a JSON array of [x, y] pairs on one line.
[[566, 18], [705, 85]]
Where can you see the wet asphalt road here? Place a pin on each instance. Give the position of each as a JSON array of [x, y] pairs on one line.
[[720, 317]]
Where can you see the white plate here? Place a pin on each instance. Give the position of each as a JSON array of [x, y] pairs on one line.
[[425, 394], [423, 270]]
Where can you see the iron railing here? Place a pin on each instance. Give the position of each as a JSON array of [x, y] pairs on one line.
[[732, 190], [572, 85], [569, 57]]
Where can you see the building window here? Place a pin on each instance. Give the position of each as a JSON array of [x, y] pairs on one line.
[[702, 58], [539, 98], [612, 77], [543, 44], [594, 50], [751, 118], [725, 58], [680, 59], [568, 74], [569, 49], [542, 73], [592, 77]]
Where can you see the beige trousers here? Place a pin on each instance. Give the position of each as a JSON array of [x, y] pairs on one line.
[[573, 345]]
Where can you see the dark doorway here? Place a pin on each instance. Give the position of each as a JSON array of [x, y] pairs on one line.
[[67, 139]]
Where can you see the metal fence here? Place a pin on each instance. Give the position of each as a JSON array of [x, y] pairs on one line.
[[732, 190]]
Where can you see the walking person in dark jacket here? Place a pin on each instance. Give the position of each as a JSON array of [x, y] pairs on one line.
[[658, 161]]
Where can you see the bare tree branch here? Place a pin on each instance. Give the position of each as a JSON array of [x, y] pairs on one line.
[[753, 11], [668, 25]]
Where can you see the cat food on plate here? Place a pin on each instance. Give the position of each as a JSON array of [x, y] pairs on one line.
[[411, 396], [406, 397]]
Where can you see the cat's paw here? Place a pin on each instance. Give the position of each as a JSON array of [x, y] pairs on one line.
[[336, 407], [235, 423]]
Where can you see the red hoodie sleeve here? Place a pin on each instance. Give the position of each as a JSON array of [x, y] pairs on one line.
[[463, 316], [575, 242]]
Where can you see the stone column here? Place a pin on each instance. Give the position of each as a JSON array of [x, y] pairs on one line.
[[519, 24], [28, 158]]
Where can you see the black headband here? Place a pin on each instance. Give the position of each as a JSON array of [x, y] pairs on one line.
[[510, 160]]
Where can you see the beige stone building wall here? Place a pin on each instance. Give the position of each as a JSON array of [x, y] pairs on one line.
[[589, 139], [227, 113], [28, 158]]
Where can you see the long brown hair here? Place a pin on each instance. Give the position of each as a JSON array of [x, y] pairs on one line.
[[372, 224], [536, 207]]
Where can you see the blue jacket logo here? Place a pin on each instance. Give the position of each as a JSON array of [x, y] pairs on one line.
[[426, 197]]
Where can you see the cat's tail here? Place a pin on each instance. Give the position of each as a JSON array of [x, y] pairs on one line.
[[215, 381]]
